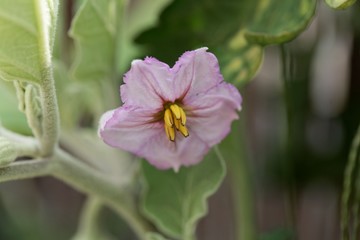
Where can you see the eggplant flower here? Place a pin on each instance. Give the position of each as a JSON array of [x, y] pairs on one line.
[[172, 116]]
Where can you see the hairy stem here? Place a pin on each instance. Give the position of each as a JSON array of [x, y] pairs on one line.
[[25, 169], [25, 146], [84, 179], [87, 180], [50, 115], [50, 111], [88, 226]]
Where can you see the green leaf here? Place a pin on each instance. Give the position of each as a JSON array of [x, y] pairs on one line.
[[94, 30], [340, 4], [277, 22], [176, 201], [103, 32], [240, 60], [10, 117], [27, 34], [139, 15], [142, 14]]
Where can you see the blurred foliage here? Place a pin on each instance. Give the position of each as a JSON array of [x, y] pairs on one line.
[[278, 234], [340, 4], [232, 36]]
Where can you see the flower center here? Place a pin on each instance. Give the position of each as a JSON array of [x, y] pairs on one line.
[[175, 118]]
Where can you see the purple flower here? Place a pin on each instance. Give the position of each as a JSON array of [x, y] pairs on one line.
[[172, 116]]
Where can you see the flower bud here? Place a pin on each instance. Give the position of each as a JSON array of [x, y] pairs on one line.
[[8, 152]]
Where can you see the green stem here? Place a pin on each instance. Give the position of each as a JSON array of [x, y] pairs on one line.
[[25, 169], [88, 226], [50, 114], [31, 111], [50, 111], [83, 178], [26, 146], [241, 181], [348, 186], [91, 182], [287, 71]]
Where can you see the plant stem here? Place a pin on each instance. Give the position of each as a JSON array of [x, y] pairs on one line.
[[88, 225], [50, 114], [25, 169], [50, 111], [91, 182], [348, 186], [287, 74], [26, 146], [241, 181], [83, 178]]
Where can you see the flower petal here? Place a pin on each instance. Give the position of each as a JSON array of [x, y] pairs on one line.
[[148, 84], [195, 72], [212, 112], [128, 128], [164, 154]]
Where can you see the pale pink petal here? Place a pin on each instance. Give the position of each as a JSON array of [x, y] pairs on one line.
[[195, 72], [148, 84], [128, 128], [212, 112], [164, 154]]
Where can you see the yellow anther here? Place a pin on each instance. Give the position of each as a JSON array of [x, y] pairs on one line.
[[184, 131], [176, 110], [177, 124], [170, 132], [175, 119], [182, 116], [168, 118]]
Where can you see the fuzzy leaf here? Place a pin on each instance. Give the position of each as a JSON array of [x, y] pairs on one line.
[[139, 15], [176, 201], [10, 117], [276, 22], [103, 35], [27, 33], [340, 4], [94, 31]]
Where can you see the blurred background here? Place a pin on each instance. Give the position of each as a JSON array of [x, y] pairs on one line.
[[300, 114]]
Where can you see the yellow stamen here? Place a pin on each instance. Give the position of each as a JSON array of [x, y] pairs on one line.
[[170, 132], [177, 124], [175, 118], [176, 110], [184, 131], [182, 116], [168, 118]]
